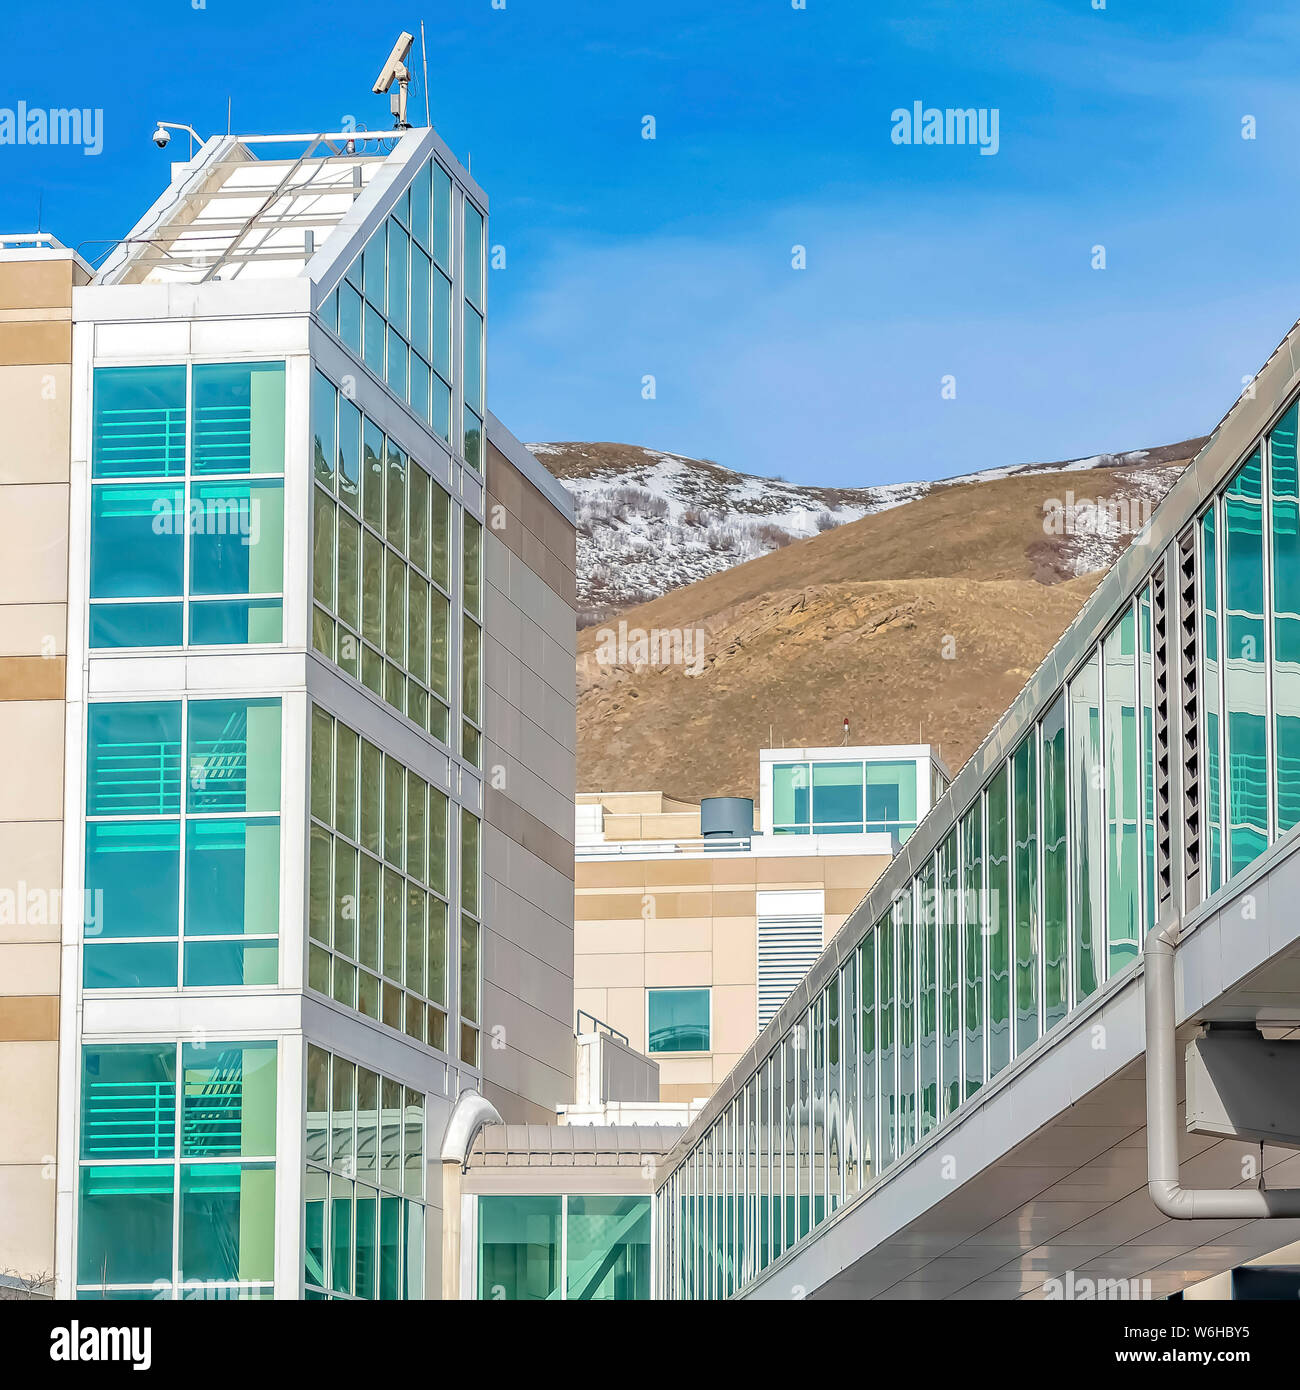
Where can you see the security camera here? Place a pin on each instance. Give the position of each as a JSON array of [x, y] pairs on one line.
[[394, 70], [395, 75], [162, 137]]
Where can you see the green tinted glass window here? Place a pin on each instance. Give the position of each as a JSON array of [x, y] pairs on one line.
[[950, 973], [228, 1099], [1212, 728], [472, 261], [1244, 677], [998, 930], [232, 877], [891, 797], [134, 759], [124, 1226], [1024, 786], [607, 1248], [1088, 859], [227, 1227], [974, 919], [837, 797], [519, 1247], [239, 418], [132, 878], [128, 1102], [678, 1020], [791, 796], [867, 1034], [234, 755], [1123, 792], [1285, 527], [324, 408], [1056, 1000], [887, 1047], [138, 422], [137, 546]]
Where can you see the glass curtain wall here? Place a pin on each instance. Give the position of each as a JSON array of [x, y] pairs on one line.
[[592, 1249], [182, 868], [1042, 891], [187, 505], [364, 1183], [177, 1171]]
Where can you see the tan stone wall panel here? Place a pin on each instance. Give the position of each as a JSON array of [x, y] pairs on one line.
[[735, 1017], [744, 871], [34, 558], [683, 970], [684, 904], [31, 677], [735, 951], [31, 753], [34, 629], [31, 857], [22, 344], [23, 1019], [609, 937], [855, 871], [36, 284], [27, 1232], [678, 873], [29, 1096], [34, 403], [842, 901], [595, 907], [674, 934], [29, 967], [621, 971]]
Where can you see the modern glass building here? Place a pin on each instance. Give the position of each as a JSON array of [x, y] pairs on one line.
[[693, 923], [312, 585], [1145, 768], [848, 791]]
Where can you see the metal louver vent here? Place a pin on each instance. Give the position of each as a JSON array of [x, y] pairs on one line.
[[1189, 686], [1160, 670], [790, 932]]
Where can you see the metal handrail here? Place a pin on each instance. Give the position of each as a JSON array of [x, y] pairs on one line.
[[600, 1027]]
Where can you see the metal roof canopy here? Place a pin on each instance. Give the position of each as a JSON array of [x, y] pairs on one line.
[[197, 232]]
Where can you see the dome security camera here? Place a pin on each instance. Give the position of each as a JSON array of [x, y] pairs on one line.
[[162, 137]]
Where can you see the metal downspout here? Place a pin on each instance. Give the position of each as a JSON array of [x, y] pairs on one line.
[[1170, 1197]]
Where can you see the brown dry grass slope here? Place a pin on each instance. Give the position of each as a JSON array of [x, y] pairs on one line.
[[927, 618]]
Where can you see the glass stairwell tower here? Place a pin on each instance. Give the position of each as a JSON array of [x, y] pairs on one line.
[[298, 779]]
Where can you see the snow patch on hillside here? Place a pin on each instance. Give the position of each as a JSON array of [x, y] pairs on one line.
[[649, 521]]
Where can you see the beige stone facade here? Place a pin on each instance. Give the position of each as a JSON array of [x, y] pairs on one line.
[[646, 920], [35, 380], [529, 767]]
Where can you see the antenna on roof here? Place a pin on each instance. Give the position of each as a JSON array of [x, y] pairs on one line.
[[395, 73], [424, 52]]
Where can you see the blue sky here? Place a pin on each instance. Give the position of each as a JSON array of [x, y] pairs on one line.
[[627, 257]]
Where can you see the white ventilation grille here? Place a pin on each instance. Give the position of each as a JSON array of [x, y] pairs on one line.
[[790, 929]]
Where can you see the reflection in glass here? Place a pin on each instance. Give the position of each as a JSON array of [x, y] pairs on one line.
[[1089, 860], [1123, 886], [1245, 682]]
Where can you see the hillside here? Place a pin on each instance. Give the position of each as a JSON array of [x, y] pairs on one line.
[[855, 623], [649, 522]]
